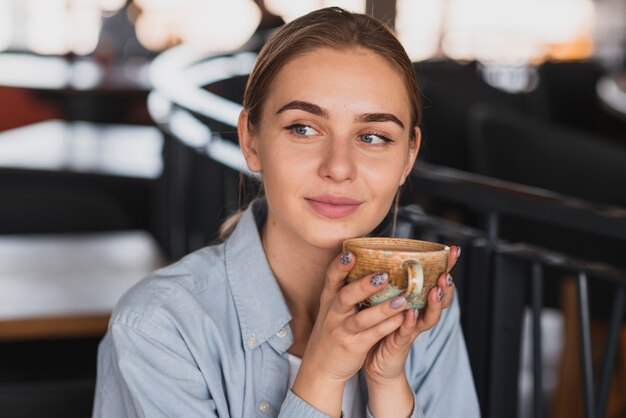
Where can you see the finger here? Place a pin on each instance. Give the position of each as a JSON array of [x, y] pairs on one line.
[[402, 338], [405, 334], [432, 313], [446, 283], [374, 334], [337, 272], [368, 318], [359, 290], [453, 256]]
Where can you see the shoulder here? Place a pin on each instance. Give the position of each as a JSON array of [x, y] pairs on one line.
[[175, 292], [156, 344]]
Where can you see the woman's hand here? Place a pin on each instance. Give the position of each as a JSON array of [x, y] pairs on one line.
[[384, 365], [342, 336]]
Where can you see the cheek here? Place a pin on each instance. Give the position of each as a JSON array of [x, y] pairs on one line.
[[283, 175], [383, 177]]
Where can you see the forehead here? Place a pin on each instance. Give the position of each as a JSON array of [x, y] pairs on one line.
[[357, 80]]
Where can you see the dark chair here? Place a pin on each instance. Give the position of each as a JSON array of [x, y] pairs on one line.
[[44, 206], [59, 176], [449, 91], [62, 399], [51, 378], [569, 91], [517, 148], [197, 194]]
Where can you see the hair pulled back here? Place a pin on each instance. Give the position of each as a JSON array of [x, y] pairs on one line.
[[331, 27]]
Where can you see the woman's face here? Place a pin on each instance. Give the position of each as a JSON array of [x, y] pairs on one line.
[[332, 145]]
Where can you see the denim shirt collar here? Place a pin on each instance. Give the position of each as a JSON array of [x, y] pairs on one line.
[[261, 307]]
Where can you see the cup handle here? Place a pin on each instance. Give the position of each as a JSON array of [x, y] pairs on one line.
[[415, 277]]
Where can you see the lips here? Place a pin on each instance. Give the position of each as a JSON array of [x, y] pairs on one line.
[[333, 207]]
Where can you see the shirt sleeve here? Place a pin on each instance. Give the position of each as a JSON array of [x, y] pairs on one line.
[[417, 411], [149, 374], [439, 372], [296, 407]]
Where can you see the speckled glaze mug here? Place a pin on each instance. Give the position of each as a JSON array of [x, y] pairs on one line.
[[413, 266]]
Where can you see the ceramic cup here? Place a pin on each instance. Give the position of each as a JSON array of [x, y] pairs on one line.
[[413, 266]]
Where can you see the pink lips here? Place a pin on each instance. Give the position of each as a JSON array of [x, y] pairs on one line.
[[333, 206]]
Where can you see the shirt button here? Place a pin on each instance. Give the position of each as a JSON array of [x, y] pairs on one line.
[[281, 333], [251, 341], [264, 406]]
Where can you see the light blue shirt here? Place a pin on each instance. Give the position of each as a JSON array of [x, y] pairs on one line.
[[208, 337]]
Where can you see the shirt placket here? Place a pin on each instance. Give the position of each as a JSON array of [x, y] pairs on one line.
[[271, 383]]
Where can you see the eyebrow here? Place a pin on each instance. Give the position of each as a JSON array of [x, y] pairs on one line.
[[305, 106], [379, 117], [318, 111]]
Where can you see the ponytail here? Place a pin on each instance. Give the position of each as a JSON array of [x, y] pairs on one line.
[[228, 226], [250, 188]]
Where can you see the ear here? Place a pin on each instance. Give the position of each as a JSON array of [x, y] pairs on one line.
[[248, 142], [414, 147]]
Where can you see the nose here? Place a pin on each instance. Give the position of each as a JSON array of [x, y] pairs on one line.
[[337, 162]]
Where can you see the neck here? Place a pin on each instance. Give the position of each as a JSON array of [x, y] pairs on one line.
[[299, 268]]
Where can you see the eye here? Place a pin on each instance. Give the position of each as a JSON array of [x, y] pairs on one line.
[[302, 130], [375, 139]]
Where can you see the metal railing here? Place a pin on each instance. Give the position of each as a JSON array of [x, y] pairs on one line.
[[503, 294]]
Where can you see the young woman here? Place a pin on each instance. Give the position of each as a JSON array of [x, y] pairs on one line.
[[264, 324]]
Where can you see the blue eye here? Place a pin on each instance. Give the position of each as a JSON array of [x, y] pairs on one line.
[[301, 130], [371, 138]]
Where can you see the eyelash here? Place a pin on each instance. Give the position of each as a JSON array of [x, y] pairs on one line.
[[386, 139], [292, 128]]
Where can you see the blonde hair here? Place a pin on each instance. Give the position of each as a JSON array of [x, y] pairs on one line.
[[228, 226]]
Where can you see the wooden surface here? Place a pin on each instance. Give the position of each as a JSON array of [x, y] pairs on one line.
[[57, 326], [67, 285]]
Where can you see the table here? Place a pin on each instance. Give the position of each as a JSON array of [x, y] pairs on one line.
[[67, 285], [84, 147]]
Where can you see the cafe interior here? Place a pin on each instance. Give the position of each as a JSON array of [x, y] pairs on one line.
[[119, 155]]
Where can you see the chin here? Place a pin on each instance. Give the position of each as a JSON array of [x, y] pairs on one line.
[[332, 235]]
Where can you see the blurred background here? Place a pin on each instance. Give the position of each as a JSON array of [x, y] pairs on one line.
[[118, 155]]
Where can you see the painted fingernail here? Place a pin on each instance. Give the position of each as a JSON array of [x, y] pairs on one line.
[[379, 279], [346, 257], [449, 281], [416, 314], [458, 252], [439, 294], [397, 302]]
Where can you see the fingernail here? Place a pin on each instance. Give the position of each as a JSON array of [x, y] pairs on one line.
[[449, 281], [458, 252], [397, 302], [416, 314], [346, 257], [439, 294], [379, 279]]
